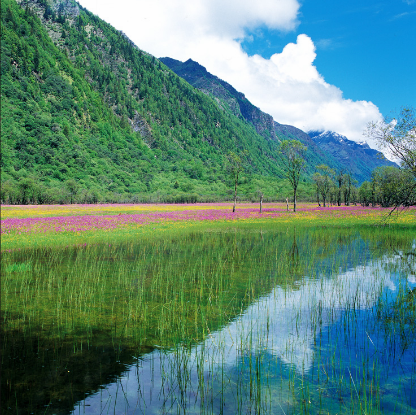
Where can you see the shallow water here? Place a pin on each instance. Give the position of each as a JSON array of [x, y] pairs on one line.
[[221, 322], [277, 355]]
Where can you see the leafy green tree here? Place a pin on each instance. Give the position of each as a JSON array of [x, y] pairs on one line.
[[235, 167], [27, 188], [364, 193], [340, 177], [393, 186], [348, 188], [323, 181], [293, 152], [72, 187]]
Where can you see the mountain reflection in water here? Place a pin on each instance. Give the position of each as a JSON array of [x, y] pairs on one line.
[[292, 336]]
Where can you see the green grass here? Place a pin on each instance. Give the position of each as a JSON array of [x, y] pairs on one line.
[[170, 288]]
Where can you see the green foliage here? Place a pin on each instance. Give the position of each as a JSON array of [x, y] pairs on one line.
[[293, 152], [80, 102], [324, 182], [391, 186]]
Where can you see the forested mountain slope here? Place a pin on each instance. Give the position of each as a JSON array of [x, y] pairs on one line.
[[80, 101], [224, 94], [87, 116], [344, 155]]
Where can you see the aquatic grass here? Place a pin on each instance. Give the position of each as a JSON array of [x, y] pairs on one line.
[[15, 267], [349, 386], [113, 287]]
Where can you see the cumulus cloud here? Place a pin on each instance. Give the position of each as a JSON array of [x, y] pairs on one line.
[[288, 85]]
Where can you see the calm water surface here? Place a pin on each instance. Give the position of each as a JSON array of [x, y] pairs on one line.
[[256, 322], [318, 346]]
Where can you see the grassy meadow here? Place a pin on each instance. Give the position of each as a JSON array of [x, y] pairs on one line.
[[214, 312]]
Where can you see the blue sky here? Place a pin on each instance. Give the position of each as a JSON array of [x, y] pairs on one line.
[[314, 64], [367, 49]]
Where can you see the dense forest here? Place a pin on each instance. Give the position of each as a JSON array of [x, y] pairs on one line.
[[87, 117], [98, 117]]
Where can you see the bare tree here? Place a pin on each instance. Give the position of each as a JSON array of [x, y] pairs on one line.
[[235, 168], [398, 137]]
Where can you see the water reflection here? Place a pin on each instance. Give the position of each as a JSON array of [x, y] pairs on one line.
[[324, 331], [267, 322]]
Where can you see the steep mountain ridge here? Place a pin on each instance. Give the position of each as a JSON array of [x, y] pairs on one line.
[[357, 158], [342, 154], [223, 93]]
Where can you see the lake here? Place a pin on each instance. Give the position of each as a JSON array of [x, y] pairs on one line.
[[225, 320]]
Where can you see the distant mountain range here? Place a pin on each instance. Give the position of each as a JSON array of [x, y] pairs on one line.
[[357, 158], [324, 146]]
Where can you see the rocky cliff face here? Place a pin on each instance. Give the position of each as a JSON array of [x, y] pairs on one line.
[[65, 7], [68, 8]]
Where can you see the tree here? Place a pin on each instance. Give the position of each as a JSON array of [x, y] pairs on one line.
[[364, 193], [27, 187], [340, 181], [398, 137], [293, 152], [72, 187], [235, 168], [260, 195], [323, 181], [349, 186], [391, 186]]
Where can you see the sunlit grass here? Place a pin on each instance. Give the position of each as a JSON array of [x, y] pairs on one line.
[[24, 227]]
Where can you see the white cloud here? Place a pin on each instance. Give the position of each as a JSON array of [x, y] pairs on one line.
[[287, 86]]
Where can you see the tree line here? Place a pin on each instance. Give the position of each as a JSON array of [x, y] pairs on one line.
[[387, 187]]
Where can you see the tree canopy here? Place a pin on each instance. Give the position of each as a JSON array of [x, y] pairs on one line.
[[293, 152], [398, 136]]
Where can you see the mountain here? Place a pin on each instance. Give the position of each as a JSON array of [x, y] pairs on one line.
[[88, 116], [226, 96], [339, 154], [81, 102], [357, 158]]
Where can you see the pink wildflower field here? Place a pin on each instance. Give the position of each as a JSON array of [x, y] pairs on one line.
[[33, 221]]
